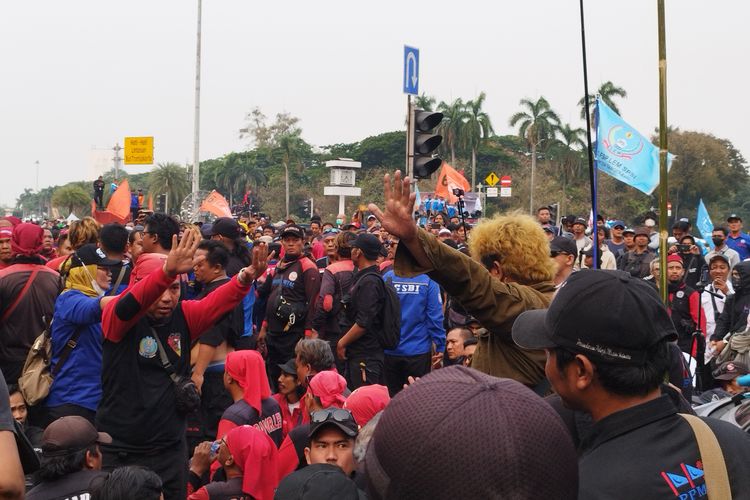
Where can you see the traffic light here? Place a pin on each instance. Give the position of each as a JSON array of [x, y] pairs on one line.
[[161, 203], [424, 143]]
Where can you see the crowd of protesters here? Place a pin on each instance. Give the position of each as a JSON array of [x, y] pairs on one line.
[[394, 354]]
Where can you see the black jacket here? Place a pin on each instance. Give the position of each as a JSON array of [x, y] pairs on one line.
[[650, 452], [736, 307]]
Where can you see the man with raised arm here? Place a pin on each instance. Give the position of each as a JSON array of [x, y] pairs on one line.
[[143, 325], [510, 272]]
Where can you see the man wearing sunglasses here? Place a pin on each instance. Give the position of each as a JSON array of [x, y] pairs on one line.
[[563, 251], [332, 435]]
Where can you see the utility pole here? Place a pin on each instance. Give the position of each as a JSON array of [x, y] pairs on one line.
[[117, 159], [197, 124]]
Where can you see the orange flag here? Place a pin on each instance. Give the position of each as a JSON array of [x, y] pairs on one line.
[[216, 204], [119, 203], [448, 180], [151, 202]]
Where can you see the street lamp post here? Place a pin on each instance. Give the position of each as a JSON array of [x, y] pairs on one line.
[[197, 126]]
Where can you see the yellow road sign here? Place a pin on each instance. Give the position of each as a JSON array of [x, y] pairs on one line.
[[492, 179], [139, 150]]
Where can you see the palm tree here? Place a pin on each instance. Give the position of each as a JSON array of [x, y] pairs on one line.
[[70, 197], [536, 123], [607, 91], [452, 124], [237, 173], [424, 102], [291, 147], [170, 179], [571, 146], [476, 129]]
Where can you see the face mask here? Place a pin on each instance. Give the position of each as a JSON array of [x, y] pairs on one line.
[[99, 290], [718, 241], [736, 282]]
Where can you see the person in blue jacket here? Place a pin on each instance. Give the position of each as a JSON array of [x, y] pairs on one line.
[[76, 332], [421, 328]]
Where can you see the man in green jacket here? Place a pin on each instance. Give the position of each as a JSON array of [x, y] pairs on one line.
[[510, 272]]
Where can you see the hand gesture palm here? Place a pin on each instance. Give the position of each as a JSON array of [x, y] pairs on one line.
[[180, 258], [399, 207]]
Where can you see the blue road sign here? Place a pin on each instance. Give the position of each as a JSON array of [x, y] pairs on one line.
[[411, 70]]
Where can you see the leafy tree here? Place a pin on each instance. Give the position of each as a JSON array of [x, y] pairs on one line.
[[70, 197], [537, 123], [452, 125], [476, 129], [291, 146], [704, 167], [568, 153], [170, 179], [607, 91]]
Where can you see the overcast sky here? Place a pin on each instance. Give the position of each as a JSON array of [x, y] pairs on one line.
[[83, 74]]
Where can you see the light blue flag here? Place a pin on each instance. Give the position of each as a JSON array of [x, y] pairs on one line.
[[418, 201], [624, 153], [704, 224]]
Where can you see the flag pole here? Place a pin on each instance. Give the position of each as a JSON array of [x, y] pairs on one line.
[[592, 170], [663, 185]]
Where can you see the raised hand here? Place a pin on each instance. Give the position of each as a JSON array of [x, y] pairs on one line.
[[398, 218], [180, 258], [258, 266]]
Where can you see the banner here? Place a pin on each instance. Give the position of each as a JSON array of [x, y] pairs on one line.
[[448, 180], [704, 224], [623, 153], [119, 202], [418, 200], [216, 204]]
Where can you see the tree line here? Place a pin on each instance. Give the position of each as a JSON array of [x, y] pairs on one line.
[[546, 159]]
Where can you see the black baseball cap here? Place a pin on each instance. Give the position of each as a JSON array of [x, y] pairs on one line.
[[370, 245], [91, 255], [318, 482], [289, 367], [580, 220], [628, 230], [734, 216], [70, 434], [337, 417], [293, 230], [561, 244], [227, 227], [607, 315]]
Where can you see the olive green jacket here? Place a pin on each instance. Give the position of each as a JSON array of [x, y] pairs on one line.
[[493, 303]]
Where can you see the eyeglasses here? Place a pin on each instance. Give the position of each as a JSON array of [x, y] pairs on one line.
[[331, 231], [335, 414]]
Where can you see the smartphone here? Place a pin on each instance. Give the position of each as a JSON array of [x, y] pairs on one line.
[[683, 248]]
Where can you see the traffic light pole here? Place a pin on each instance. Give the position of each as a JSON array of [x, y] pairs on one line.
[[409, 139]]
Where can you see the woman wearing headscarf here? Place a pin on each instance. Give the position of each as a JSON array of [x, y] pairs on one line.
[[245, 379], [248, 457], [76, 333]]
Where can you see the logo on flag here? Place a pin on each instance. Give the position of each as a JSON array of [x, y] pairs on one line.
[[704, 224], [448, 180], [623, 153]]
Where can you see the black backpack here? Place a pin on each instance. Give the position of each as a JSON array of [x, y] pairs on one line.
[[389, 335]]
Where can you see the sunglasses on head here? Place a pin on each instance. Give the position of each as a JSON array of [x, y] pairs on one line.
[[335, 414]]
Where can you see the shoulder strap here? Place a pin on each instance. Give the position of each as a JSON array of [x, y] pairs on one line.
[[69, 346], [118, 282], [714, 468], [164, 359], [25, 288]]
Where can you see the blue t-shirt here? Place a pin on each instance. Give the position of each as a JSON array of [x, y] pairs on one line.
[[740, 244]]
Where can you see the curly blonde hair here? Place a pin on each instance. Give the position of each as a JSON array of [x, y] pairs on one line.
[[518, 242], [83, 231]]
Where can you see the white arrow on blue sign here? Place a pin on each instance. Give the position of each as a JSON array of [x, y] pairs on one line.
[[411, 70]]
